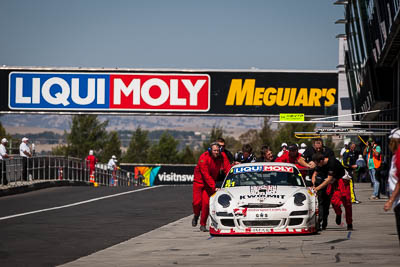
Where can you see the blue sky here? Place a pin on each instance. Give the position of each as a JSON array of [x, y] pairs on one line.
[[217, 34]]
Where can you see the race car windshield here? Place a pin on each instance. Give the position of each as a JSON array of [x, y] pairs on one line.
[[264, 178]]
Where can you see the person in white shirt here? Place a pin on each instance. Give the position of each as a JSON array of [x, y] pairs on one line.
[[394, 178], [25, 153], [3, 156], [112, 163], [284, 148], [112, 166], [302, 148], [346, 146]]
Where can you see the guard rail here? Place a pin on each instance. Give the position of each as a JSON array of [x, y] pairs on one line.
[[53, 168]]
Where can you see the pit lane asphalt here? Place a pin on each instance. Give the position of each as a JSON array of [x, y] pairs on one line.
[[374, 241], [59, 236]]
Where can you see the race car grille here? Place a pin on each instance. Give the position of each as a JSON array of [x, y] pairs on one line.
[[261, 205], [264, 223], [299, 212], [295, 221], [227, 222], [224, 213]]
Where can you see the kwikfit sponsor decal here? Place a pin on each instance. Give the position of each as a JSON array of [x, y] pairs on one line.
[[109, 91], [173, 177], [278, 196]]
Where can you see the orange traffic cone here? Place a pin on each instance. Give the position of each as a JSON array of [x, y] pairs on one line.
[[91, 179]]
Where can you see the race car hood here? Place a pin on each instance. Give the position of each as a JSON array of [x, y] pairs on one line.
[[267, 195]]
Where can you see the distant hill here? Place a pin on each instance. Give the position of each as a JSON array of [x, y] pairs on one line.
[[47, 131], [233, 126]]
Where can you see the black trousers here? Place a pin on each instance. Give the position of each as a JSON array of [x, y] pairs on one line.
[[26, 162], [3, 173], [324, 201], [397, 216]]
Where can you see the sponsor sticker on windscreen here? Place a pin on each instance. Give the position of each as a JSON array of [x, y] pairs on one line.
[[261, 168], [278, 169]]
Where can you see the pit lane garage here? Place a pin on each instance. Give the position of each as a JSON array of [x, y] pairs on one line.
[[263, 198]]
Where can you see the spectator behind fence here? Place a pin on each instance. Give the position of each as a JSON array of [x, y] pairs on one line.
[[140, 178], [112, 163], [91, 161], [25, 153], [3, 156]]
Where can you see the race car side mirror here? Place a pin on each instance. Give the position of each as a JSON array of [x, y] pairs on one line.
[[308, 181]]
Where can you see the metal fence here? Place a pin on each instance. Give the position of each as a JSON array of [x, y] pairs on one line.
[[19, 171]]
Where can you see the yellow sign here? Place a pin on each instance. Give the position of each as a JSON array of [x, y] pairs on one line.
[[291, 117], [246, 93]]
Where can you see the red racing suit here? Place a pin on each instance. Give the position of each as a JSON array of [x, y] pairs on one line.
[[205, 175], [340, 191], [294, 160], [91, 161]]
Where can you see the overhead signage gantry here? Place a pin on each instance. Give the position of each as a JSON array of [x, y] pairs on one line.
[[343, 128], [168, 92]]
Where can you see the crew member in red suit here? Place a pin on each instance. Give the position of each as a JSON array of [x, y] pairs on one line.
[[91, 161], [292, 155], [209, 166], [337, 186]]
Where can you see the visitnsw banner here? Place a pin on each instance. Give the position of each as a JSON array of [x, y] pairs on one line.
[[161, 174], [174, 92]]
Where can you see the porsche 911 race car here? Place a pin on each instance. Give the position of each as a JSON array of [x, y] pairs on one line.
[[263, 198]]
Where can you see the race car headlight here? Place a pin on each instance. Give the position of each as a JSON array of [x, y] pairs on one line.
[[299, 199], [224, 200]]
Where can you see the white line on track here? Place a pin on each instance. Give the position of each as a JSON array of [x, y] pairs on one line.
[[77, 203]]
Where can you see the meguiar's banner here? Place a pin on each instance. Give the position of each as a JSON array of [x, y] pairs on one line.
[[208, 92]]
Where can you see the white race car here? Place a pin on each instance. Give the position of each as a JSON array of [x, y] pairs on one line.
[[263, 198]]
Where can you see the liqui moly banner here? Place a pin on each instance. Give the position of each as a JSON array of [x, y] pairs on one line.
[[103, 92], [207, 92]]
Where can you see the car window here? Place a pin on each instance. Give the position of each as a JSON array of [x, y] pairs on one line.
[[249, 178]]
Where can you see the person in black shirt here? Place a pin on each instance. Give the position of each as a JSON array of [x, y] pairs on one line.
[[229, 155], [349, 163], [320, 182], [266, 155], [317, 146], [222, 149], [245, 156], [336, 186]]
